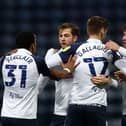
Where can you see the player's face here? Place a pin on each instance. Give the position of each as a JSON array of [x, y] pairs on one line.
[[66, 38], [124, 39]]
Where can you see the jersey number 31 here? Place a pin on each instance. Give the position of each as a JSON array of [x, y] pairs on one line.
[[12, 75]]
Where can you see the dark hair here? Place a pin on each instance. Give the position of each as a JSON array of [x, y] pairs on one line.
[[75, 30], [124, 27], [95, 23], [25, 39]]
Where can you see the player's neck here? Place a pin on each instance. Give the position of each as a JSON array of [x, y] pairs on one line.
[[95, 37]]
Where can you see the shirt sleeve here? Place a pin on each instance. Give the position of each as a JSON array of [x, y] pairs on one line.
[[52, 59], [122, 51], [42, 82], [42, 67], [121, 64], [116, 56]]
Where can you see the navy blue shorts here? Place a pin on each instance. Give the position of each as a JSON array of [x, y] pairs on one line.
[[58, 120], [86, 115], [18, 122], [123, 120]]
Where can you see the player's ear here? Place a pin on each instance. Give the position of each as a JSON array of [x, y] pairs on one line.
[[33, 48], [103, 33], [75, 38]]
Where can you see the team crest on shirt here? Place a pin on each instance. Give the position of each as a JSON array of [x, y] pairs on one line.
[[66, 49]]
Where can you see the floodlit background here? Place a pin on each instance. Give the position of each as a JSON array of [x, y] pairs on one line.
[[43, 17]]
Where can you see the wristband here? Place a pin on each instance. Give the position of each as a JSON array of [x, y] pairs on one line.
[[67, 69]]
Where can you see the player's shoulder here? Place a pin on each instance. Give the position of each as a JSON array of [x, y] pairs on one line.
[[81, 45], [77, 44]]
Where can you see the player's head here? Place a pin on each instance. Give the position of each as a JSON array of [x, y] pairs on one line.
[[97, 26], [124, 36], [26, 40], [68, 34]]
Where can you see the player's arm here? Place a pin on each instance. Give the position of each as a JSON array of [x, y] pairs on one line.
[[103, 80], [115, 47], [120, 76], [119, 61], [68, 69], [121, 64], [57, 74]]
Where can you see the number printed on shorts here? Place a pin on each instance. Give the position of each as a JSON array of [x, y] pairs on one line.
[[92, 67], [12, 76]]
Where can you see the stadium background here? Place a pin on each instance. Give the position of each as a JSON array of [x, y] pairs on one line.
[[43, 17]]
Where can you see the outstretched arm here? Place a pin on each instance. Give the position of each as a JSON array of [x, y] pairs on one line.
[[67, 71]]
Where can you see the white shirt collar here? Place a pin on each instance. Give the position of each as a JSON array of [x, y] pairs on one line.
[[24, 50], [94, 40]]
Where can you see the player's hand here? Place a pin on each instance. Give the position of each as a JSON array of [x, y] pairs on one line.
[[71, 64], [112, 45], [120, 76], [101, 80]]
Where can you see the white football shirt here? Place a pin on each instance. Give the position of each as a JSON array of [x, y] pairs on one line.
[[94, 60], [63, 86], [20, 76]]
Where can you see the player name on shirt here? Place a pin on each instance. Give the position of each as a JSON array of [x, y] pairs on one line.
[[19, 57], [90, 48]]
